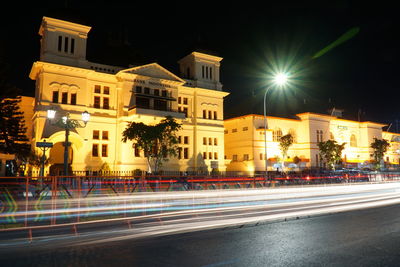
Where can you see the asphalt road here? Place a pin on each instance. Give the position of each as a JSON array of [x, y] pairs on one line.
[[369, 237]]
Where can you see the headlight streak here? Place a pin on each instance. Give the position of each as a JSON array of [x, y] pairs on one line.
[[193, 210]]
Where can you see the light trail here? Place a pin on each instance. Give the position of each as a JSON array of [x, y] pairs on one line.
[[160, 213]]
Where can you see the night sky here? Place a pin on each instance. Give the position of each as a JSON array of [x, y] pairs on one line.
[[359, 76]]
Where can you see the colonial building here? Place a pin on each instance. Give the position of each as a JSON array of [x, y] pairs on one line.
[[114, 96], [245, 143]]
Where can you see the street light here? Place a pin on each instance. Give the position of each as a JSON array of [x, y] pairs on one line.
[[280, 80], [67, 124]]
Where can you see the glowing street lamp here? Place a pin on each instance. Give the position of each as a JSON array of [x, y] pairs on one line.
[[280, 80], [67, 124]]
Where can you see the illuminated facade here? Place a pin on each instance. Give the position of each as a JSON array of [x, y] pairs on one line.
[[245, 145], [114, 96]]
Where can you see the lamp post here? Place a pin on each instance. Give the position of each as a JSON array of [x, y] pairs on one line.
[[67, 124], [280, 80]]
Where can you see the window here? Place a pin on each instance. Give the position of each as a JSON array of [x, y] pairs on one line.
[[245, 128], [319, 135], [106, 90], [138, 89], [353, 141], [246, 157], [215, 155], [209, 155], [204, 114], [204, 140], [104, 152], [97, 89], [234, 130], [185, 111], [164, 93], [210, 141], [72, 45], [209, 114], [137, 151], [55, 97], [276, 135], [73, 99], [234, 158], [179, 139], [66, 44], [64, 98], [204, 155], [186, 153], [95, 150], [156, 92], [225, 131], [179, 153], [215, 142], [104, 135], [147, 90], [106, 102], [202, 71], [96, 102], [179, 100], [185, 101], [215, 115], [96, 135], [186, 140], [59, 43]]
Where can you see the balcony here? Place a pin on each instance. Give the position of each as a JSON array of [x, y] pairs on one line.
[[156, 111]]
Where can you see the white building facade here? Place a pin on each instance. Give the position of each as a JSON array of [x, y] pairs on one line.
[[245, 143], [115, 96]]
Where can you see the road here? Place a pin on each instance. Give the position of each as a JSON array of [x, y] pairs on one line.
[[367, 237]]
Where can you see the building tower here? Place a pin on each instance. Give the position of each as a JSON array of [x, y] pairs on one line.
[[63, 42]]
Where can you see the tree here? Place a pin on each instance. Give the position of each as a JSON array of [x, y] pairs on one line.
[[284, 143], [158, 142], [12, 125], [380, 146], [331, 152]]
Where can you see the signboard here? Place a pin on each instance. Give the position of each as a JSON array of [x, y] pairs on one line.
[[44, 144]]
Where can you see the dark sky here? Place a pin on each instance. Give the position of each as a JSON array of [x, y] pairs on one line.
[[359, 76]]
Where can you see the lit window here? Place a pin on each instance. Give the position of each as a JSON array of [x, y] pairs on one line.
[[104, 152], [106, 90], [106, 103], [137, 151], [95, 150], [73, 99], [55, 97], [64, 98], [97, 89], [105, 135], [96, 135], [96, 102], [276, 135]]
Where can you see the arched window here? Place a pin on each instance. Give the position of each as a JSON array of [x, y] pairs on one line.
[[353, 141], [276, 135]]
